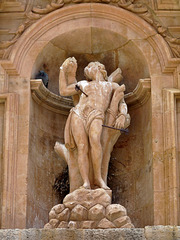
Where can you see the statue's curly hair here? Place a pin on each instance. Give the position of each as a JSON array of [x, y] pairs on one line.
[[100, 66]]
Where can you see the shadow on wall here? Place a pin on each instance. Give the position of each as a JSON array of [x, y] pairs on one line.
[[130, 172]]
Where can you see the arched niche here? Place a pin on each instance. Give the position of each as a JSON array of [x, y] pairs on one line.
[[128, 42], [96, 44], [73, 18]]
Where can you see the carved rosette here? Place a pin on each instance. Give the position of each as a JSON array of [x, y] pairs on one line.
[[141, 9]]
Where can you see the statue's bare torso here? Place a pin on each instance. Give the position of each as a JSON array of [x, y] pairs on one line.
[[99, 95]]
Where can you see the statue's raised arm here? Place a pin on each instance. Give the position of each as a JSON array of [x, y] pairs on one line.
[[67, 77]]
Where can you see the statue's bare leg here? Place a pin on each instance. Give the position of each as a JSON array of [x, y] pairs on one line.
[[81, 141], [109, 136], [108, 144], [96, 151], [105, 162]]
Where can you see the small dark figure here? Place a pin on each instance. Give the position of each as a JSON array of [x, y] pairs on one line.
[[42, 75]]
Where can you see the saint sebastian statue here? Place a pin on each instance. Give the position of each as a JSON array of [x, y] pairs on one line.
[[98, 100]]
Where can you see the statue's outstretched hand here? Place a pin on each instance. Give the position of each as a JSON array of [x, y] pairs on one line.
[[69, 66]]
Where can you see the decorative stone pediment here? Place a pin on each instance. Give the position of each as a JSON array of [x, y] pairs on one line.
[[140, 9]]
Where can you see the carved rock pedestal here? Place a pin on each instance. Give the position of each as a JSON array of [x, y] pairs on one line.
[[88, 209]]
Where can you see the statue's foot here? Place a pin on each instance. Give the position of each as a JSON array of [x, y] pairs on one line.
[[86, 186], [101, 184]]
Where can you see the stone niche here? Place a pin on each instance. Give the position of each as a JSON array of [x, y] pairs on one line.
[[46, 127], [105, 46], [130, 173]]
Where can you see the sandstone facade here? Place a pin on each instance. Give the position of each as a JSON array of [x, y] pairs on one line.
[[144, 171], [147, 233]]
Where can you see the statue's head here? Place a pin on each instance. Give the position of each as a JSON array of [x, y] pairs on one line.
[[92, 68]]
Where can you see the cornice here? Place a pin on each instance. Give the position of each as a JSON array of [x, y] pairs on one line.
[[140, 95], [140, 9], [59, 104], [49, 100]]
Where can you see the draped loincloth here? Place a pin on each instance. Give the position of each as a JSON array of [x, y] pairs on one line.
[[88, 115]]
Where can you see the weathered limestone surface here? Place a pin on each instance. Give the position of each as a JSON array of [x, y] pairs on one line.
[[43, 134], [1, 146], [159, 232], [88, 209], [145, 161], [87, 198], [147, 233]]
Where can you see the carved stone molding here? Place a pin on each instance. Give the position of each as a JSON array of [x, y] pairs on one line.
[[141, 9], [9, 201], [49, 100], [12, 6], [58, 104], [170, 97], [167, 4], [140, 94]]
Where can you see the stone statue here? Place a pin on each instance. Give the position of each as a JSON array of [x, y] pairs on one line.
[[99, 102], [92, 128]]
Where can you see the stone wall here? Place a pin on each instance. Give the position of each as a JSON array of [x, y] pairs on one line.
[[1, 152], [44, 165], [12, 14], [130, 174], [147, 233], [178, 139]]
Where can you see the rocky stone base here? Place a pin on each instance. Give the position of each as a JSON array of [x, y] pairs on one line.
[[147, 233], [88, 209]]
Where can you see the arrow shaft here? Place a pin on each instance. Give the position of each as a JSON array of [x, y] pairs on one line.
[[122, 130], [79, 89]]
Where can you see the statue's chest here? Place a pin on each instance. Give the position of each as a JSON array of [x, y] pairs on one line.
[[98, 88]]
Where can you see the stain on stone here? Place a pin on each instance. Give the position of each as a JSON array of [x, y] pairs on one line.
[[61, 184]]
